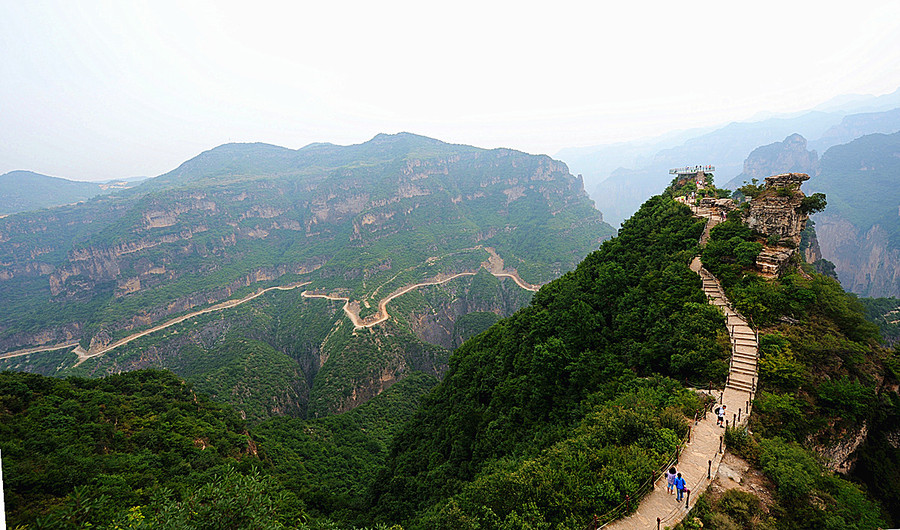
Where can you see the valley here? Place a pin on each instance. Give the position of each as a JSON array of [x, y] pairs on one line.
[[351, 309], [391, 233]]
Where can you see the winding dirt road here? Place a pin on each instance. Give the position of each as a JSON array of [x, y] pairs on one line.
[[352, 310], [494, 265], [84, 355]]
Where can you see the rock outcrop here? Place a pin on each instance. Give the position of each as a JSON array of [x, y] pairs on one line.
[[776, 213], [788, 156]]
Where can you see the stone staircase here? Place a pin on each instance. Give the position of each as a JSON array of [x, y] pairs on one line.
[[699, 460]]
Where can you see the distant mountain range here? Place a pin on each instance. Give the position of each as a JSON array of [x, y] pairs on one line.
[[620, 177], [22, 191], [859, 231], [351, 225]]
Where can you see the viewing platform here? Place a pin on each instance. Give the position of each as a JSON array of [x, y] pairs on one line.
[[692, 170]]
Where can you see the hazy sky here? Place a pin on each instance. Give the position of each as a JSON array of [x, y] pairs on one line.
[[98, 90]]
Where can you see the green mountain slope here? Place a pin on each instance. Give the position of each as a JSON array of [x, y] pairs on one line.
[[143, 450], [79, 450], [357, 222], [562, 410], [554, 387], [826, 398], [558, 412], [22, 191], [860, 229]]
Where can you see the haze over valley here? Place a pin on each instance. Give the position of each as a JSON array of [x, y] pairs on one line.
[[501, 266]]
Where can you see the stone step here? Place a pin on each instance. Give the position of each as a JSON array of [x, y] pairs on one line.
[[739, 385], [744, 361], [737, 371], [741, 379], [744, 358]]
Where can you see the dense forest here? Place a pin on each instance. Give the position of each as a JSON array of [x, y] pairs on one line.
[[544, 420], [144, 450]]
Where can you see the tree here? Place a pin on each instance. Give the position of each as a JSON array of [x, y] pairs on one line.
[[814, 203], [751, 189]]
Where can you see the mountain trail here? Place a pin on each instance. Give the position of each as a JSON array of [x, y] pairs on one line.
[[701, 456], [84, 355]]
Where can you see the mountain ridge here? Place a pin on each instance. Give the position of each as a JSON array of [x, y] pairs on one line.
[[356, 222]]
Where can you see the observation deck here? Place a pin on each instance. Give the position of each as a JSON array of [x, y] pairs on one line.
[[692, 170]]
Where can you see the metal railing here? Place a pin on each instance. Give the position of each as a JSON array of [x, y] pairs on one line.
[[633, 499]]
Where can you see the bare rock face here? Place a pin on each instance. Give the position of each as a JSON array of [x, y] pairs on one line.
[[789, 156], [841, 456], [864, 260], [776, 212]]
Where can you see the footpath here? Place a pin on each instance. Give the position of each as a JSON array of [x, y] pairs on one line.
[[700, 457]]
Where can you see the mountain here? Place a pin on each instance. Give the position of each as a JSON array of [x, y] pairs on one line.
[[21, 191], [551, 417], [626, 188], [857, 103], [860, 229], [788, 156], [857, 125], [599, 161], [561, 412], [253, 258], [621, 176]]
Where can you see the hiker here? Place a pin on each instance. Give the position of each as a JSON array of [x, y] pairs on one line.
[[679, 485], [720, 416], [670, 480]]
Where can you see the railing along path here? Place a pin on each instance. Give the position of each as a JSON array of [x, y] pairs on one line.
[[698, 458]]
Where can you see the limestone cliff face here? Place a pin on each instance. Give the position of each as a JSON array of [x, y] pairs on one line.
[[436, 324], [864, 261], [788, 156], [777, 212], [346, 218]]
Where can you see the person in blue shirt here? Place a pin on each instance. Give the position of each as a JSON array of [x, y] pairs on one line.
[[679, 485]]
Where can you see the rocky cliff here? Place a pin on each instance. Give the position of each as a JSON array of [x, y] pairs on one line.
[[777, 213], [787, 156], [860, 230], [357, 222], [866, 261], [228, 220]]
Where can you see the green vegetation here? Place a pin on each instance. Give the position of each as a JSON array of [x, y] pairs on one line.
[[143, 450], [350, 218], [23, 191], [356, 221], [535, 409], [813, 204], [107, 444], [472, 324], [819, 371], [885, 313], [543, 419], [332, 462]]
